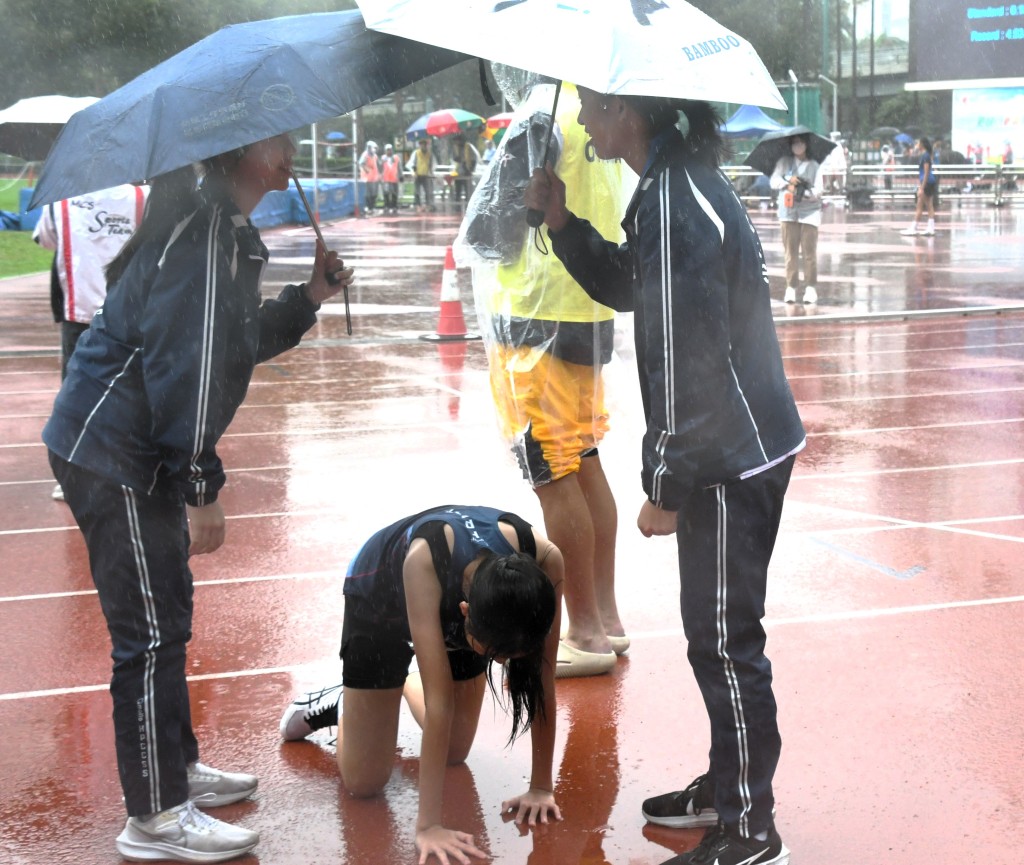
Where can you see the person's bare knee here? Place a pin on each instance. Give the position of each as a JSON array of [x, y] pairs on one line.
[[367, 737], [361, 777], [364, 787]]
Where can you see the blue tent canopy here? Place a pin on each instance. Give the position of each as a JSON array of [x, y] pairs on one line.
[[749, 121]]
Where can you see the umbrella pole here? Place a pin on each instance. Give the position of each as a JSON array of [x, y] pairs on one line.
[[316, 184], [535, 218], [331, 278]]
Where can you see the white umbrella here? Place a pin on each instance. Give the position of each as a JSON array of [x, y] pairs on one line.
[[29, 127], [672, 50]]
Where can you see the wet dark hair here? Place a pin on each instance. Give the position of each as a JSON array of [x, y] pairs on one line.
[[172, 196], [703, 139], [511, 609], [926, 144]]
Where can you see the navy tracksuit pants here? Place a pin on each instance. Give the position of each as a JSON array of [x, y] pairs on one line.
[[138, 554], [726, 534]]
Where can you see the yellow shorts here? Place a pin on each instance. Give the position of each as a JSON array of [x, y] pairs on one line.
[[551, 410]]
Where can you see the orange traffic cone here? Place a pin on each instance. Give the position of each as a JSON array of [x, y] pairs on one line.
[[451, 324]]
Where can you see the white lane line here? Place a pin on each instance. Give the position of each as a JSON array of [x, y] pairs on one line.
[[925, 426], [817, 618], [830, 476], [227, 581], [204, 677]]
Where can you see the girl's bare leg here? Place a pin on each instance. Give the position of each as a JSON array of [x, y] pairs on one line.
[[469, 697], [367, 736]]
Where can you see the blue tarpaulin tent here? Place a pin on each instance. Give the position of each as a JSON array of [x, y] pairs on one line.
[[749, 121]]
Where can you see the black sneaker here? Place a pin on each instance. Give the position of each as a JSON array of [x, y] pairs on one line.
[[311, 711], [687, 809], [723, 846]]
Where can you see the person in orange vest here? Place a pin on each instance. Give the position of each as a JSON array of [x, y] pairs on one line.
[[390, 174], [369, 173]]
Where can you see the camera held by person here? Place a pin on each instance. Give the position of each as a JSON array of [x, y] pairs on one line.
[[795, 191]]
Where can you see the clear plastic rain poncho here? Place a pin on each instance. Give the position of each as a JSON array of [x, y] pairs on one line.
[[546, 339]]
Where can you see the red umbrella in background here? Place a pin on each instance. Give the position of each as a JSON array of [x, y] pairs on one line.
[[444, 121], [496, 125]]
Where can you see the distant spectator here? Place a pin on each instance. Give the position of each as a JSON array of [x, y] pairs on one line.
[[390, 176], [463, 165], [927, 190], [369, 173], [888, 164], [797, 179], [834, 166], [422, 165]]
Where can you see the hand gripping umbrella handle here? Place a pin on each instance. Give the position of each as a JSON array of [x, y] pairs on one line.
[[331, 278], [535, 218]]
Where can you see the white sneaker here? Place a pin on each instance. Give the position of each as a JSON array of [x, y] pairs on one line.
[[910, 232], [218, 788], [58, 493], [810, 294], [311, 711], [928, 232], [183, 834], [790, 295]]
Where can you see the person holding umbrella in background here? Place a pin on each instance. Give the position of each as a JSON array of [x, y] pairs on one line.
[[722, 434], [132, 439], [797, 179]]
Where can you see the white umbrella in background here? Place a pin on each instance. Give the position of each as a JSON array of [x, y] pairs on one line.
[[610, 46], [29, 127]]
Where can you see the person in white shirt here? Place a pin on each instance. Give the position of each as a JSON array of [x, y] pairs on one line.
[[86, 233]]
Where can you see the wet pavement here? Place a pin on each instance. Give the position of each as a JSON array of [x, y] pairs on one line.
[[895, 605]]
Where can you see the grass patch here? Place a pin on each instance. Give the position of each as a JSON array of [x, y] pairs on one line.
[[9, 195], [18, 253]]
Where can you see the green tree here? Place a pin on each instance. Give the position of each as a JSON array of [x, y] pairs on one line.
[[785, 33], [89, 49]]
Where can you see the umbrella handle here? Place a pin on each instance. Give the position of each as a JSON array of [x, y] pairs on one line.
[[331, 278], [535, 218]]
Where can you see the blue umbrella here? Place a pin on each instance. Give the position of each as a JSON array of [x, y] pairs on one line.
[[241, 84], [903, 138], [336, 136]]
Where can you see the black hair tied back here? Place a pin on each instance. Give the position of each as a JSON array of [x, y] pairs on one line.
[[511, 610]]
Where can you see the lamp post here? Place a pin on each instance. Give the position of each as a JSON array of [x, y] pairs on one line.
[[835, 101], [796, 97]]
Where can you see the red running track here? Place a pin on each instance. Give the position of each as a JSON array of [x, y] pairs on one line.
[[894, 613]]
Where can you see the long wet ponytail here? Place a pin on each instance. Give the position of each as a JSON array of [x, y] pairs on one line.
[[703, 139], [704, 142], [171, 196]]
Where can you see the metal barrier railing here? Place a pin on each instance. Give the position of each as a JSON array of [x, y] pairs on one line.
[[864, 186]]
